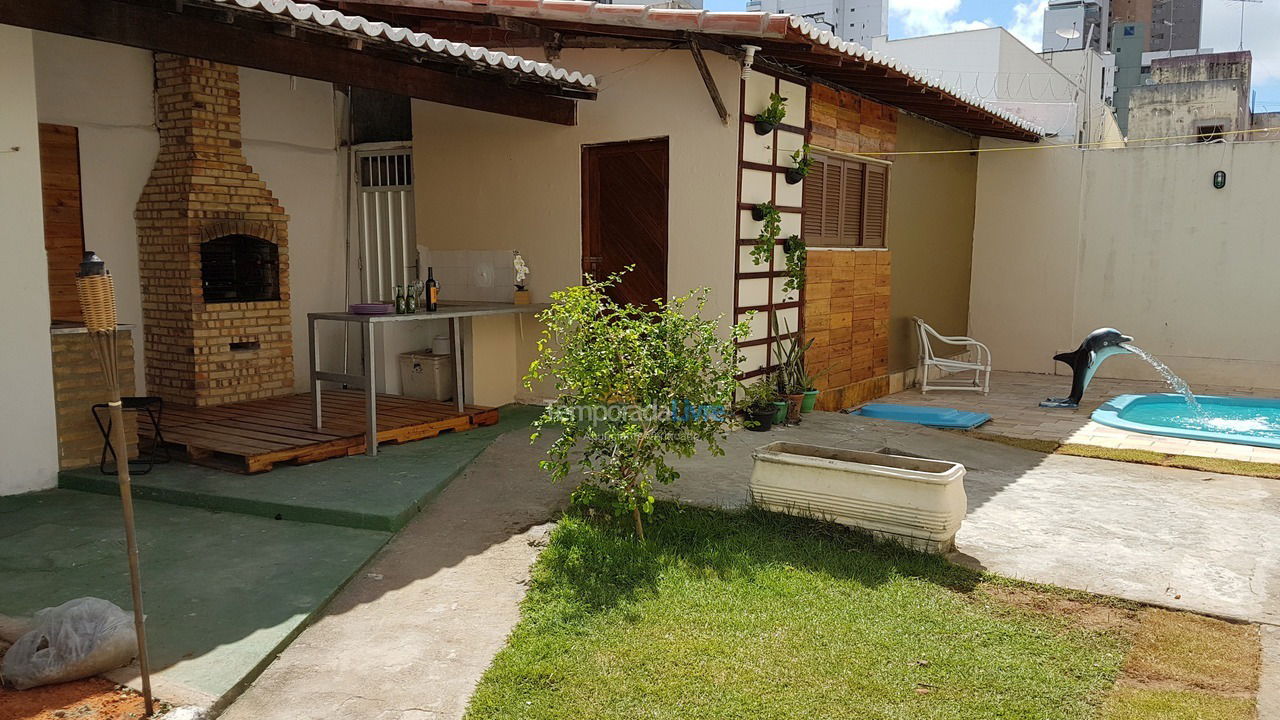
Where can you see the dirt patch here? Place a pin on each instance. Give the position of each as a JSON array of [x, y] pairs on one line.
[[83, 699], [1077, 612], [91, 699], [1175, 649], [1179, 665]]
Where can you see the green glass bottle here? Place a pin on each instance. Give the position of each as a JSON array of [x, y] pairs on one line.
[[411, 299], [400, 305]]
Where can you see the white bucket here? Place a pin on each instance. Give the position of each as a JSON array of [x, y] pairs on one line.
[[440, 345]]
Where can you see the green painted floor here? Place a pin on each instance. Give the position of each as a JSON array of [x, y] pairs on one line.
[[222, 591], [233, 566], [379, 493]]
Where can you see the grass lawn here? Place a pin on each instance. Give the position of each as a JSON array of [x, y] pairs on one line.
[[756, 615]]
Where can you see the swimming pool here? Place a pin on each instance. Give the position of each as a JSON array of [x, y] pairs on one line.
[[1241, 420]]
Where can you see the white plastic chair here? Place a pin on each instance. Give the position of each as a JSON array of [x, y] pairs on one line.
[[980, 365]]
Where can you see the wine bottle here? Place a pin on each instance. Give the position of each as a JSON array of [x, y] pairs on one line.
[[433, 290]]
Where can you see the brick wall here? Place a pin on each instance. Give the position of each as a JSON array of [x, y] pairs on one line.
[[77, 386], [846, 307], [202, 187]]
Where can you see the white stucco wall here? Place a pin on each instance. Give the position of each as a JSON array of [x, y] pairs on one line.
[[1149, 247], [490, 182], [28, 442], [290, 136]]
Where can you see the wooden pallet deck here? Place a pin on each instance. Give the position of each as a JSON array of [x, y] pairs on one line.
[[252, 437]]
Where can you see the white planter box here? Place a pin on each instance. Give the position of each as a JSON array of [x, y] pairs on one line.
[[919, 503]]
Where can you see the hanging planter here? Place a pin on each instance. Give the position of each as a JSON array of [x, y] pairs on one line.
[[770, 118], [797, 255], [766, 213], [803, 161]]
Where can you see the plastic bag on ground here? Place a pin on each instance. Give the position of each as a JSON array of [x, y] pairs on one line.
[[78, 639]]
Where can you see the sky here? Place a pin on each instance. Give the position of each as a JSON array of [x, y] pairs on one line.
[[1220, 28]]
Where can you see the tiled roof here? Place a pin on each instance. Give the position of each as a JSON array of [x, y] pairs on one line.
[[821, 49], [307, 13]]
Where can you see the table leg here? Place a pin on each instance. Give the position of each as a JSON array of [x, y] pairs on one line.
[[370, 393], [316, 412], [459, 385]]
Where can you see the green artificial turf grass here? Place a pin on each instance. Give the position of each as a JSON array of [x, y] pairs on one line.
[[756, 615]]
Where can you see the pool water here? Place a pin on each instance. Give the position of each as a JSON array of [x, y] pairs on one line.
[[1241, 420]]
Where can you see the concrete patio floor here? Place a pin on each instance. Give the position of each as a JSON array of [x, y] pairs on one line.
[[410, 637], [1013, 406]]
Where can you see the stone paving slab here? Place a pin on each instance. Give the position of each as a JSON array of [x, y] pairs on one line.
[[410, 637], [1013, 406], [1179, 538]]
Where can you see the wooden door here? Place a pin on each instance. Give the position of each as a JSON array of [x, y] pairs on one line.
[[624, 217], [63, 222]]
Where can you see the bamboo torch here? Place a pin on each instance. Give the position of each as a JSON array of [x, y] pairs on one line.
[[98, 304]]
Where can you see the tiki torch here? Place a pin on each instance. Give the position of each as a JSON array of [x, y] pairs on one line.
[[98, 304]]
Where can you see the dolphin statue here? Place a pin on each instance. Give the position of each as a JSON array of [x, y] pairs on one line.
[[1084, 361]]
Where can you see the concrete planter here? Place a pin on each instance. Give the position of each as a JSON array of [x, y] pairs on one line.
[[919, 503]]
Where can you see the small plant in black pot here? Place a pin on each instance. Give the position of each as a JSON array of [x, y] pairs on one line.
[[797, 255], [770, 118], [767, 214], [757, 404], [803, 161]]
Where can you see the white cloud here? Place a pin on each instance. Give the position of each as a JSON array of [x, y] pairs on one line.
[[1220, 30], [1028, 22], [930, 17]]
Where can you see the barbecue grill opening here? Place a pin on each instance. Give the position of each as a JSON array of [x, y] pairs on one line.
[[239, 268]]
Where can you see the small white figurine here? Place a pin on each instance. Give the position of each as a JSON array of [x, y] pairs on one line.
[[522, 270]]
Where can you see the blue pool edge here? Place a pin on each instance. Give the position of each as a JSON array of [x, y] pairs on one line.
[[1109, 414]]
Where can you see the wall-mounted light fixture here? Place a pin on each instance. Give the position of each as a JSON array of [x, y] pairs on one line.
[[1220, 179], [748, 59]]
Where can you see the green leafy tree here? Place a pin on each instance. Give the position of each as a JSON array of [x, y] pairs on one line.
[[633, 388]]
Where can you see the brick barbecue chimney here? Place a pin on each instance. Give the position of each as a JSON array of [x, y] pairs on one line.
[[212, 249]]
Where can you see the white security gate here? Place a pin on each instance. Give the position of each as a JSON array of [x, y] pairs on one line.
[[384, 219]]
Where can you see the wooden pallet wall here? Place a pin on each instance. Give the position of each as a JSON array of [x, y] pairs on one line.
[[63, 217]]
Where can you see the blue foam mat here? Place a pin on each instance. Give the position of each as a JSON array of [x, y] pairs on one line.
[[939, 417]]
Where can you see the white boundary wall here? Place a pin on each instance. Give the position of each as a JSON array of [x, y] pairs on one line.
[[28, 433], [1136, 239]]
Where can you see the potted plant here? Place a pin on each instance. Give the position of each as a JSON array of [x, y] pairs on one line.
[[797, 255], [635, 388], [758, 404], [793, 383], [803, 161], [763, 249], [770, 118], [811, 392]]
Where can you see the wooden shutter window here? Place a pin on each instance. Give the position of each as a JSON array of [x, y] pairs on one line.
[[877, 205], [811, 205], [851, 201], [845, 203]]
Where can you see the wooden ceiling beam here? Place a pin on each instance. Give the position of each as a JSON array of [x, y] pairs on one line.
[[153, 28]]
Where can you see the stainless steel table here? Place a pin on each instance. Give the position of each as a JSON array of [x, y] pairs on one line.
[[454, 312]]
